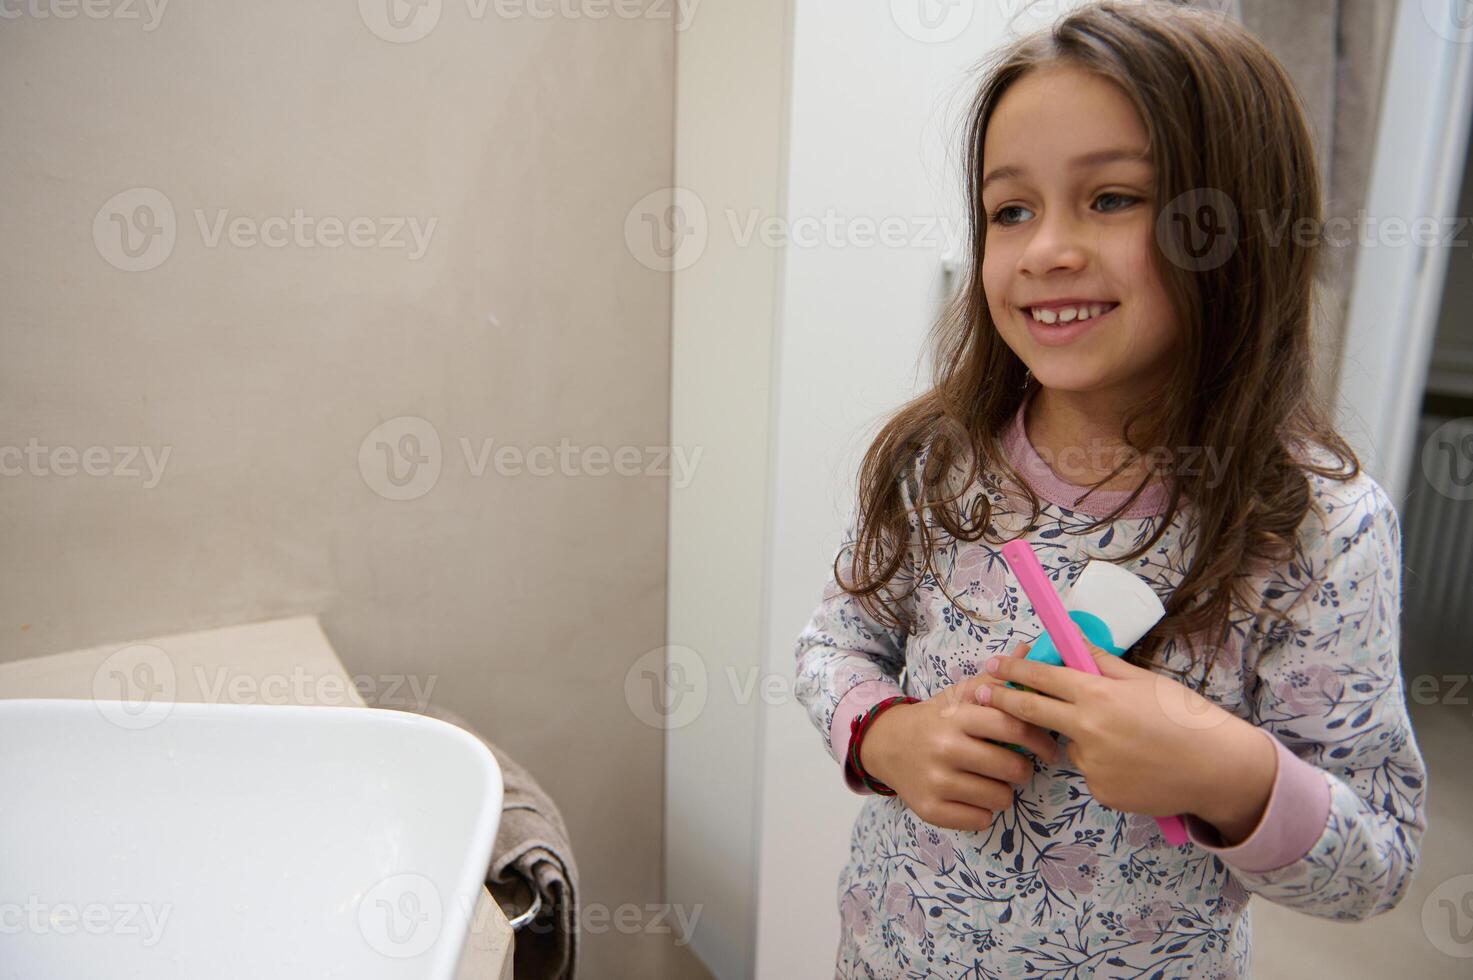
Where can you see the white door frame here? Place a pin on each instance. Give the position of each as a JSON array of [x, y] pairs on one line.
[[1396, 297]]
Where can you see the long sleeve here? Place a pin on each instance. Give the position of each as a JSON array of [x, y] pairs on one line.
[[846, 662], [1341, 835]]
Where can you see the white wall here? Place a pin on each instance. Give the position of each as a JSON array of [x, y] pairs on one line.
[[730, 90]]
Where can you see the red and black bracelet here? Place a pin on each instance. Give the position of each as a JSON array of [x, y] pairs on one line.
[[857, 728]]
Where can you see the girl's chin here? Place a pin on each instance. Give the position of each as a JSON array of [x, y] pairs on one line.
[[1072, 378]]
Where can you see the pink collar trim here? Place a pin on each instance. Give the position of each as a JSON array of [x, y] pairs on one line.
[[1051, 487]]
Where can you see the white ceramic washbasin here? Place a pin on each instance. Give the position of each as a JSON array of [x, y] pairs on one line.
[[238, 841]]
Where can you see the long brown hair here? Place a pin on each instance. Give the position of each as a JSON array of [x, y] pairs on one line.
[[1225, 124]]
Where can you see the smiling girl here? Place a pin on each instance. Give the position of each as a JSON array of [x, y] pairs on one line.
[[1128, 314]]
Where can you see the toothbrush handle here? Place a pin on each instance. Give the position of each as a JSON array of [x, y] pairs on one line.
[[1046, 602], [1067, 639]]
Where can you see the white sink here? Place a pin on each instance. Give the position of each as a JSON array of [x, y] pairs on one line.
[[238, 840]]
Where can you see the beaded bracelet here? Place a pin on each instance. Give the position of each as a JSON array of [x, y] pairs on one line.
[[857, 728]]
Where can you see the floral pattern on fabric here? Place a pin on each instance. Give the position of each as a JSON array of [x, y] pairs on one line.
[[1059, 885]]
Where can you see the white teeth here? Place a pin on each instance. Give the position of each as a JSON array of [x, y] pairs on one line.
[[1070, 314]]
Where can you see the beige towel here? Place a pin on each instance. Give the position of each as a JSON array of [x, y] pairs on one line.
[[532, 850]]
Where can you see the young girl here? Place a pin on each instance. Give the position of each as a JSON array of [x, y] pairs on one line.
[[1125, 377]]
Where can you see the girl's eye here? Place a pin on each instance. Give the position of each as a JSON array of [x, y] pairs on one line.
[[998, 217], [1119, 197], [1122, 201]]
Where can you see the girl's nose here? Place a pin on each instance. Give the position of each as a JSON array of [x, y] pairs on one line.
[[1055, 247]]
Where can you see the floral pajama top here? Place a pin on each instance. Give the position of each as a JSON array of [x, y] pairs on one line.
[[1059, 885]]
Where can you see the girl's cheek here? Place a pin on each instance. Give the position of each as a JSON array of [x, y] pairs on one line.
[[1133, 251], [994, 285]]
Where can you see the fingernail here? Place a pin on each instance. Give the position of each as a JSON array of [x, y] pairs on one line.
[[984, 694], [992, 665]]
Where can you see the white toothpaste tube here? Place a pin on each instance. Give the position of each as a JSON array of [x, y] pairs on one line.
[[1112, 607]]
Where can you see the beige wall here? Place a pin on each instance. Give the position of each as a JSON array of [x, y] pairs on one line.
[[262, 370]]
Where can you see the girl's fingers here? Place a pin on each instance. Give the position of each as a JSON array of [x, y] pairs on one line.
[[994, 761], [1019, 652], [1059, 682], [959, 816], [991, 723], [982, 792], [1035, 709]]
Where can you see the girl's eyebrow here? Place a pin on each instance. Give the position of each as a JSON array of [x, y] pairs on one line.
[[1095, 159]]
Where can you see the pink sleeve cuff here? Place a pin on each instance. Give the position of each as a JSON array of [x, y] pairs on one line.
[[861, 698], [1294, 819]]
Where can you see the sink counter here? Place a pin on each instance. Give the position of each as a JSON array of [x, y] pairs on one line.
[[286, 661]]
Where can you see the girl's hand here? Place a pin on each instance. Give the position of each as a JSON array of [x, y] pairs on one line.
[[936, 756], [1144, 742]]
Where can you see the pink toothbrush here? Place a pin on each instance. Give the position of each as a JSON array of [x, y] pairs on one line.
[[1066, 637]]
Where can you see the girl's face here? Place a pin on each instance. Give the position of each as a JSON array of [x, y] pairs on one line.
[[1069, 195]]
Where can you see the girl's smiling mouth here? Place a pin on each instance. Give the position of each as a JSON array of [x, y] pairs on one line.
[[1057, 323]]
